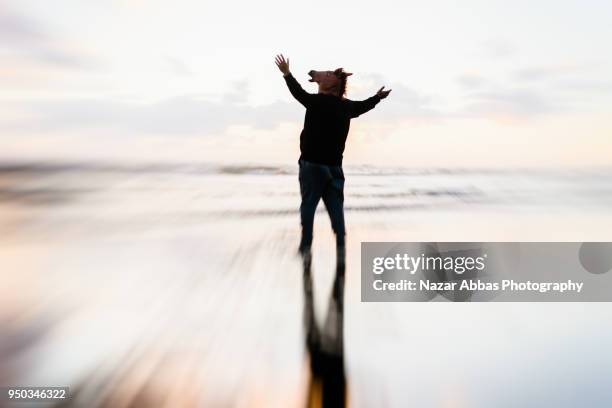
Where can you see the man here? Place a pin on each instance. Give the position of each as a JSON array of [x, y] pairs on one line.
[[322, 140]]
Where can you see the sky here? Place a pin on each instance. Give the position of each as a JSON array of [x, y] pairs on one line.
[[475, 83]]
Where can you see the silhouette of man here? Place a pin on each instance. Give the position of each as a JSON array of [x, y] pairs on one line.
[[322, 140]]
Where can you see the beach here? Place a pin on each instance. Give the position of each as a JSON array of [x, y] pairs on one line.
[[178, 284]]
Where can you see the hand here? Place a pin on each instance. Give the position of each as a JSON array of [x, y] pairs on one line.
[[282, 64], [383, 94]]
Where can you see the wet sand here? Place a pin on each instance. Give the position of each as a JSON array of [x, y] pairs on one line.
[[179, 285]]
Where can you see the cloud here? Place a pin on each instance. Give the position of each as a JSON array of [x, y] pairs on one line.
[[198, 114], [471, 81], [545, 72], [239, 92], [177, 66], [193, 114], [25, 38], [403, 102], [515, 103], [530, 92], [187, 114], [14, 28], [497, 48], [588, 86]]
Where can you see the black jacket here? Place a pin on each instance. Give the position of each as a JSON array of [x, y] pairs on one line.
[[327, 122]]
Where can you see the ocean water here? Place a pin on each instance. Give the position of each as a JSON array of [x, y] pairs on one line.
[[178, 285]]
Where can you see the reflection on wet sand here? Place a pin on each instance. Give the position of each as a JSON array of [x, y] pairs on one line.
[[327, 383]]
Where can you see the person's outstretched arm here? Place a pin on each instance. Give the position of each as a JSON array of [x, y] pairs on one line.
[[294, 86], [357, 108]]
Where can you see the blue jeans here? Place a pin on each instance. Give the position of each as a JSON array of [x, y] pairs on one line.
[[320, 181]]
